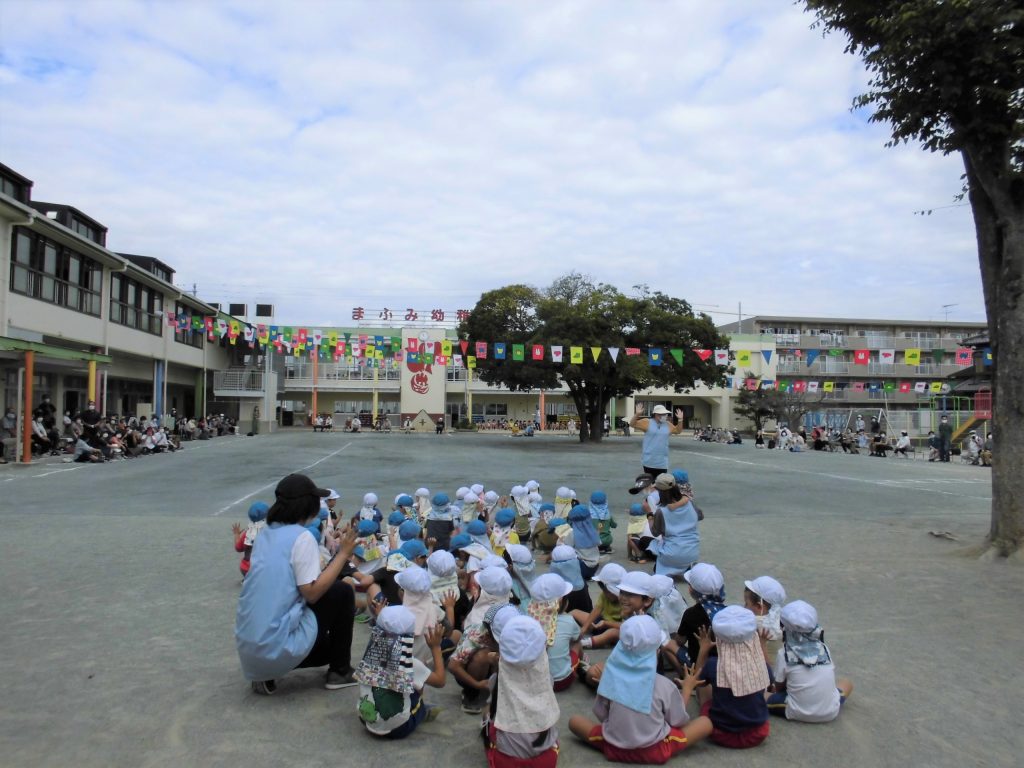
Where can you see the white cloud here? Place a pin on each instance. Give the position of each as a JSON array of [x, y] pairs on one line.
[[325, 155]]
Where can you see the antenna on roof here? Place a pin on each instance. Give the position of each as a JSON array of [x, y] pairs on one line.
[[946, 308]]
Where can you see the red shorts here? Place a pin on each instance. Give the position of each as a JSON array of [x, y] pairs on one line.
[[566, 682], [658, 753], [496, 759], [737, 739]]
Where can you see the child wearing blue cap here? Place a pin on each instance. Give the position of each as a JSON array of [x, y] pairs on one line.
[[502, 532], [439, 521], [244, 539], [544, 537], [603, 520], [638, 533]]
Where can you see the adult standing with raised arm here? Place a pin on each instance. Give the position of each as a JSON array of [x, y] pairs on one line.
[[656, 431]]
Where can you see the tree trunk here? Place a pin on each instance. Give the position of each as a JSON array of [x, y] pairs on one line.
[[999, 226]]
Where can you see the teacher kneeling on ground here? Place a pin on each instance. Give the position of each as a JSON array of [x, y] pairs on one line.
[[656, 431], [290, 614]]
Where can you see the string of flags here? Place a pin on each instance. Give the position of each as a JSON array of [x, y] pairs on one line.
[[812, 387], [367, 348]]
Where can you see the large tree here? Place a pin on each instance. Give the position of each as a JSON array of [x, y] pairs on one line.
[[950, 75], [574, 311], [785, 406]]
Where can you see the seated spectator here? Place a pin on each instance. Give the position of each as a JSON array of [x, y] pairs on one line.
[[986, 451], [86, 453], [881, 445], [41, 440], [8, 435], [903, 446]]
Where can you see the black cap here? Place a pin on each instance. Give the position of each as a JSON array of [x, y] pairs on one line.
[[642, 481], [296, 486]]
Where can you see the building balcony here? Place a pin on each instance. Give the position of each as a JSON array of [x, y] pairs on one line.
[[239, 382], [837, 341], [828, 367]]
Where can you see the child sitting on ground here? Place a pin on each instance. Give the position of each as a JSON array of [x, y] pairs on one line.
[[603, 520], [707, 588], [244, 539], [523, 727], [549, 601], [392, 680], [638, 533], [585, 539], [566, 564], [764, 597], [641, 715], [415, 584], [502, 532], [438, 521], [606, 616], [524, 572], [475, 658], [805, 677], [738, 678]]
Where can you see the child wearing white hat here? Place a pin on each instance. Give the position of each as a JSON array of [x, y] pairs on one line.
[[642, 717], [549, 606], [391, 680], [764, 597], [805, 677], [523, 725], [738, 678], [607, 613]]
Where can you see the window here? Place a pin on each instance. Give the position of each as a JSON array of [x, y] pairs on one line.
[[44, 270], [194, 338], [135, 305]]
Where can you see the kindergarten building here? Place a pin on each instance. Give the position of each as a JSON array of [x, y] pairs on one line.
[[79, 322]]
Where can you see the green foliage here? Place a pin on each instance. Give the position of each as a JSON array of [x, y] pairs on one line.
[[948, 74], [755, 404], [574, 311]]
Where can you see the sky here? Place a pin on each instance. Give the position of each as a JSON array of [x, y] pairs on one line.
[[322, 156]]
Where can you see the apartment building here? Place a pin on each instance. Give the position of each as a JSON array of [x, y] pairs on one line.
[[893, 369], [79, 322]]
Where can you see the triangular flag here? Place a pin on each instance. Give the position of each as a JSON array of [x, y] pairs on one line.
[[595, 352], [614, 352], [576, 355], [677, 355], [464, 345], [765, 353], [703, 354], [812, 355]]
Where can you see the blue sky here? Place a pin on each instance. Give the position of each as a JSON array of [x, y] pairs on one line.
[[327, 155]]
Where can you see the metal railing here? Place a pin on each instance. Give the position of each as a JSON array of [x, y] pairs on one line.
[[238, 380]]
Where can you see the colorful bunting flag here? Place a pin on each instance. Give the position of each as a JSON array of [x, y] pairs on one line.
[[812, 355], [632, 351], [986, 356], [829, 386], [889, 386], [904, 387], [556, 353], [538, 351], [835, 353], [752, 384], [677, 355], [457, 360], [743, 358], [921, 387], [812, 386], [481, 350], [887, 356], [721, 357], [767, 384], [765, 353], [576, 355], [471, 362], [858, 386], [912, 356], [499, 350], [936, 387], [938, 355], [861, 356], [519, 352], [654, 355], [614, 352], [703, 354], [963, 356]]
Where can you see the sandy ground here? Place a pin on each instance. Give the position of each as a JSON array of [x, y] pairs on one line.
[[120, 584]]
